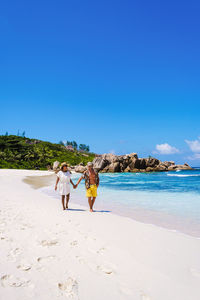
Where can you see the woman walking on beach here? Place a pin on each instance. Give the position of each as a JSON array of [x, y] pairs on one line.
[[64, 179]]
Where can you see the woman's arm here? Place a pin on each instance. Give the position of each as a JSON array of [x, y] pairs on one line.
[[57, 180], [72, 184]]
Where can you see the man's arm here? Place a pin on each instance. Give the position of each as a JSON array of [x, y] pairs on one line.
[[79, 181], [98, 180]]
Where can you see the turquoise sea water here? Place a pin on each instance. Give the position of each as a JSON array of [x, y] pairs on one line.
[[168, 199]]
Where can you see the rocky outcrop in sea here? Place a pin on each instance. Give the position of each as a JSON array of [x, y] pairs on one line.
[[131, 163]]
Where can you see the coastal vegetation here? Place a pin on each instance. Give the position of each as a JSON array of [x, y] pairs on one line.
[[20, 152]]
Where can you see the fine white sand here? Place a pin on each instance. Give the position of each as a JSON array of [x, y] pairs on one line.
[[48, 253]]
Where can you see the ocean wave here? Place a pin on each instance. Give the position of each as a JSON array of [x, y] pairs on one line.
[[125, 183], [184, 175]]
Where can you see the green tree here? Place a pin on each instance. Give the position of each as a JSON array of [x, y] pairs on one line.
[[23, 153], [84, 147], [74, 144]]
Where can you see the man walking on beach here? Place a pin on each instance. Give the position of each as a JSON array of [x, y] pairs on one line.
[[91, 183]]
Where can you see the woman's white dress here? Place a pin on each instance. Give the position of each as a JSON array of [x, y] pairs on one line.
[[64, 182]]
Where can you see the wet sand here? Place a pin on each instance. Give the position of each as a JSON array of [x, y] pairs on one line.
[[38, 182]]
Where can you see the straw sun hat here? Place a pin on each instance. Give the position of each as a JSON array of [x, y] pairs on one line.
[[64, 164], [90, 164]]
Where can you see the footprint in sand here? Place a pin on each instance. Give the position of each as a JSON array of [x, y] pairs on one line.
[[5, 238], [25, 226], [45, 258], [105, 269], [97, 250], [44, 262], [24, 267], [69, 288], [101, 250], [46, 243], [10, 280], [74, 243], [81, 260], [22, 228], [144, 297], [13, 254], [89, 238]]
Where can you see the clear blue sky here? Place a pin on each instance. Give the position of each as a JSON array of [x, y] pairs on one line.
[[121, 76]]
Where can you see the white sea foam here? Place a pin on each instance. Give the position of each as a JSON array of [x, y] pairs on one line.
[[184, 175]]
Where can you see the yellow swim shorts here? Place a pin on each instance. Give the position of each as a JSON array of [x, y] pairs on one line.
[[92, 191]]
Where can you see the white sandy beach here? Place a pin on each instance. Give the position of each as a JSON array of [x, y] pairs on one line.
[[48, 253]]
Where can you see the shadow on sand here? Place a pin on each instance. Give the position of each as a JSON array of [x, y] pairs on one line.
[[102, 211], [98, 211], [76, 209]]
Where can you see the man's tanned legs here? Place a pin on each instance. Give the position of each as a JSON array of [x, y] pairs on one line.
[[91, 201]]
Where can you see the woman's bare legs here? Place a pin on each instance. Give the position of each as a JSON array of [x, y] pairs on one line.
[[63, 201], [67, 200]]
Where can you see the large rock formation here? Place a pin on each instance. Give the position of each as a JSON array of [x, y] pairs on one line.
[[80, 169], [56, 165], [100, 163], [131, 163]]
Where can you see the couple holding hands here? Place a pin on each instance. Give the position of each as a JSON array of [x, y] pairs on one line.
[[91, 183]]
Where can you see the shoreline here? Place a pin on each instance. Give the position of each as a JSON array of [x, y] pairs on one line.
[[48, 253], [135, 218], [151, 217]]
